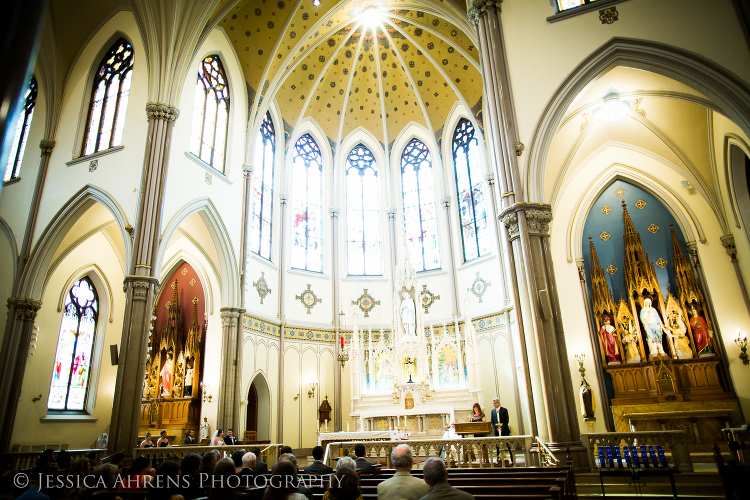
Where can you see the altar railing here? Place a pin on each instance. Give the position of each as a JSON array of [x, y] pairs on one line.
[[456, 452], [269, 453], [674, 444]]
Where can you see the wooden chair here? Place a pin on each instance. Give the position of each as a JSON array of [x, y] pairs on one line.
[[251, 436]]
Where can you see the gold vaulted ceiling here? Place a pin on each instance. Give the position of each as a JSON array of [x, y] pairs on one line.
[[372, 63]]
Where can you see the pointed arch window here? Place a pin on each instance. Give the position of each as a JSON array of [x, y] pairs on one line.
[[475, 232], [265, 150], [420, 215], [13, 167], [109, 99], [208, 135], [362, 213], [307, 192], [75, 346]]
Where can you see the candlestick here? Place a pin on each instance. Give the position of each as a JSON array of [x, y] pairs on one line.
[[342, 341], [347, 427], [326, 425]]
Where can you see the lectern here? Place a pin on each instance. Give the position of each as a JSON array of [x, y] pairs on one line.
[[475, 428]]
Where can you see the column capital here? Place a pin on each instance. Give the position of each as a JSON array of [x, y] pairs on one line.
[[446, 201], [247, 170], [581, 270], [334, 211], [510, 220], [480, 7], [229, 316], [727, 241], [46, 146], [391, 212], [538, 217], [140, 285], [693, 251], [162, 111], [26, 309], [283, 198]]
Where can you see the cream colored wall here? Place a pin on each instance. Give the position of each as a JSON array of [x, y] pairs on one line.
[[496, 374], [723, 287], [29, 429], [8, 258], [710, 29]]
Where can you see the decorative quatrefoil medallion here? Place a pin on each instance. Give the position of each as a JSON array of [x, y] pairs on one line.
[[308, 299]]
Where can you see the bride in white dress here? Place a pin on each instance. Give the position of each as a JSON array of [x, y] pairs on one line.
[[217, 439]]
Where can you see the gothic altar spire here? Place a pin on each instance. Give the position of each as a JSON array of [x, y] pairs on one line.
[[600, 293], [688, 290], [638, 270]]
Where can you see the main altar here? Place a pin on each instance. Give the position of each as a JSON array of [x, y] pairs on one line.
[[415, 380]]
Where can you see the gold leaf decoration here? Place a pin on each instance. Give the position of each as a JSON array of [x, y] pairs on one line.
[[640, 204], [606, 210], [661, 262], [653, 228], [605, 235], [620, 192], [611, 269]]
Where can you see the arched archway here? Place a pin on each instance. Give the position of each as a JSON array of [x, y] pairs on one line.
[[259, 408]]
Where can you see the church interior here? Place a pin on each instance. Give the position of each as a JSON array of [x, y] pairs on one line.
[[307, 219]]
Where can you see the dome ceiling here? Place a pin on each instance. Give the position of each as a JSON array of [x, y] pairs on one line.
[[371, 63]]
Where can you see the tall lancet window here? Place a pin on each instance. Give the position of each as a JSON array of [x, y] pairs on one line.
[[260, 229], [475, 233], [307, 192], [362, 213], [109, 99], [208, 136], [75, 346], [420, 217], [13, 168]]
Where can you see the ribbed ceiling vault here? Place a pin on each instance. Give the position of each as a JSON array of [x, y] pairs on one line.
[[376, 64]]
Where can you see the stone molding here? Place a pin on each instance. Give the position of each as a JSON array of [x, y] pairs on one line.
[[581, 270], [538, 218], [247, 170], [26, 309], [162, 111], [230, 316], [480, 7], [727, 241], [46, 146], [140, 285], [511, 223], [334, 211], [283, 198]]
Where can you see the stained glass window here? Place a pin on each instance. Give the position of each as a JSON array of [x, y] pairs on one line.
[[109, 99], [260, 228], [420, 215], [307, 192], [12, 169], [72, 369], [571, 4], [475, 233], [208, 137], [362, 213]]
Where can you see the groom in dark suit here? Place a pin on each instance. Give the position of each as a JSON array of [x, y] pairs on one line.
[[499, 418]]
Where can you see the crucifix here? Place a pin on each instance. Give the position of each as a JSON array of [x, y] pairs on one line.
[[410, 365]]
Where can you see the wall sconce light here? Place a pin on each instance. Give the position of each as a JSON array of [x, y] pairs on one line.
[[296, 397], [311, 392], [741, 340], [580, 357], [206, 396], [343, 356]]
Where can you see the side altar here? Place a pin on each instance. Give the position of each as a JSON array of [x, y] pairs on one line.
[[418, 379]]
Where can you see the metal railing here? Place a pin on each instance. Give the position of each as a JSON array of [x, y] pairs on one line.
[[674, 444], [269, 454], [455, 452], [546, 457]]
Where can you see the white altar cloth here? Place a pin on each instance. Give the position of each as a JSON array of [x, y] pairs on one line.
[[400, 412]]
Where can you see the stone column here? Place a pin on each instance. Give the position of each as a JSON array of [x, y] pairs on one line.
[[452, 255], [17, 331], [609, 421], [727, 241], [392, 231], [228, 398], [283, 198], [247, 174], [338, 397], [139, 284]]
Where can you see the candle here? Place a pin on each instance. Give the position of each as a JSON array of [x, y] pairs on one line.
[[318, 422], [347, 427], [342, 341], [327, 419]]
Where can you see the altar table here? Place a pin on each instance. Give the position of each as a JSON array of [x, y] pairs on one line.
[[327, 437]]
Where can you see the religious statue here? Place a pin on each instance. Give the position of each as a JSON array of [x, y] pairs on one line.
[[153, 381], [408, 315], [178, 380], [395, 399], [608, 340], [166, 375], [189, 379], [204, 430], [630, 340], [679, 335], [588, 405], [701, 334], [653, 326], [146, 378]]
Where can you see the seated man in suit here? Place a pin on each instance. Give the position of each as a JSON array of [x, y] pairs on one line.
[[436, 477], [231, 439], [318, 467], [260, 466], [363, 465], [247, 474], [402, 486], [189, 439]]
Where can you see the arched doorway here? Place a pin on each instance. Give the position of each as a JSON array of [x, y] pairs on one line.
[[259, 408]]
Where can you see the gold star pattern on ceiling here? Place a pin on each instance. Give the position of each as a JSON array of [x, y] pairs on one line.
[[661, 262], [653, 228], [605, 236], [606, 210]]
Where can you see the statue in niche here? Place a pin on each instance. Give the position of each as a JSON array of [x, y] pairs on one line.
[[408, 315], [153, 381], [146, 378], [410, 369], [701, 334], [204, 430], [679, 335], [178, 378], [588, 405], [630, 340], [189, 378], [166, 374], [653, 326], [608, 340]]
